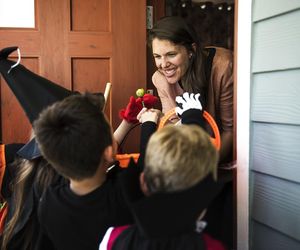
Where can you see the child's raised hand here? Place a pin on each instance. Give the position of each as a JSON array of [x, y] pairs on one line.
[[130, 112], [151, 115], [187, 101], [134, 106]]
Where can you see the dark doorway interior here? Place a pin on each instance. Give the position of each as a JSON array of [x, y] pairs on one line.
[[213, 20]]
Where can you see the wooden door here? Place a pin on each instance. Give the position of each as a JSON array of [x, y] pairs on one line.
[[80, 45]]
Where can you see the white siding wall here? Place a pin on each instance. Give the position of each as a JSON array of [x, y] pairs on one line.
[[275, 126]]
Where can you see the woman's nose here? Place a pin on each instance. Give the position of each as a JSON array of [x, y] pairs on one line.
[[164, 62]]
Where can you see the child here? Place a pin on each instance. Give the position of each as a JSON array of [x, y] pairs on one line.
[[76, 138], [178, 183], [31, 178]]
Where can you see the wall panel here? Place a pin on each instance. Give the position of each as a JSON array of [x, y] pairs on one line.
[[276, 151], [275, 203], [276, 43], [275, 97], [90, 15], [268, 8], [278, 241]]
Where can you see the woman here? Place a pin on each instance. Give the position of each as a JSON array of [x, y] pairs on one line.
[[183, 65]]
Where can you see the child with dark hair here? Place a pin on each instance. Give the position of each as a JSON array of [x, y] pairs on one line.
[[178, 183], [76, 138], [28, 176]]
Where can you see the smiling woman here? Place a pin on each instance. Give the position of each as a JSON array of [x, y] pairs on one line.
[[184, 65]]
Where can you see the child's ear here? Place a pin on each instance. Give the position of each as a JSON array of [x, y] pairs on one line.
[[108, 154], [143, 184]]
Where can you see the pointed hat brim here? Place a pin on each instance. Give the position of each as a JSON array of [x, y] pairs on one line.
[[33, 92]]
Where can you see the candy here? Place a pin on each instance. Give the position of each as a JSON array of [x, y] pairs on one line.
[[140, 92]]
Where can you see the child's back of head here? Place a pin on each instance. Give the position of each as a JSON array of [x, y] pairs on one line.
[[72, 135], [178, 157]]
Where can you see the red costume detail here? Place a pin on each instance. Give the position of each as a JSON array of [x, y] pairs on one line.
[[135, 106]]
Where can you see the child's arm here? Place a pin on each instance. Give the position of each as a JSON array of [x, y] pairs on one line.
[[122, 130], [149, 119], [129, 115]]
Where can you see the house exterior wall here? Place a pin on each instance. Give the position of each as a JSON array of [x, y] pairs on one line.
[[275, 126]]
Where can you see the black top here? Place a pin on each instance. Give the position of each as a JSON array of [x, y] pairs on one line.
[[80, 222]]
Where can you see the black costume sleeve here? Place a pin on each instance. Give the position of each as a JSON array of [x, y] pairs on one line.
[[193, 116], [148, 128]]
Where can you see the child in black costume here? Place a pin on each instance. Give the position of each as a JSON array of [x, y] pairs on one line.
[[178, 183], [75, 137], [31, 178]]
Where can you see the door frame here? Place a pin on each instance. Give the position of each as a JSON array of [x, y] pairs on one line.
[[242, 79]]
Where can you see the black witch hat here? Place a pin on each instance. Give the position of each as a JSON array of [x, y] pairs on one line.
[[33, 92]]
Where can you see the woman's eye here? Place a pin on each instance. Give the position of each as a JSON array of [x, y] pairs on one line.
[[172, 54], [156, 57]]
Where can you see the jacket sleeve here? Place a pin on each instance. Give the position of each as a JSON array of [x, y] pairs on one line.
[[222, 79]]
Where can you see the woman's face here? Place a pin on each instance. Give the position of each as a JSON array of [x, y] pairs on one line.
[[170, 59]]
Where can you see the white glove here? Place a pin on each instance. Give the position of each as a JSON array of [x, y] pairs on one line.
[[187, 101]]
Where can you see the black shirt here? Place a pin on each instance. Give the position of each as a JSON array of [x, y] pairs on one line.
[[80, 222], [70, 221]]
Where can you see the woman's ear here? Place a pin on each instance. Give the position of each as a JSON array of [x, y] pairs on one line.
[[108, 154], [194, 46], [143, 184]]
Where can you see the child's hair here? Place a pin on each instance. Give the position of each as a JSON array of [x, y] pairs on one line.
[[34, 174], [178, 157], [72, 135]]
